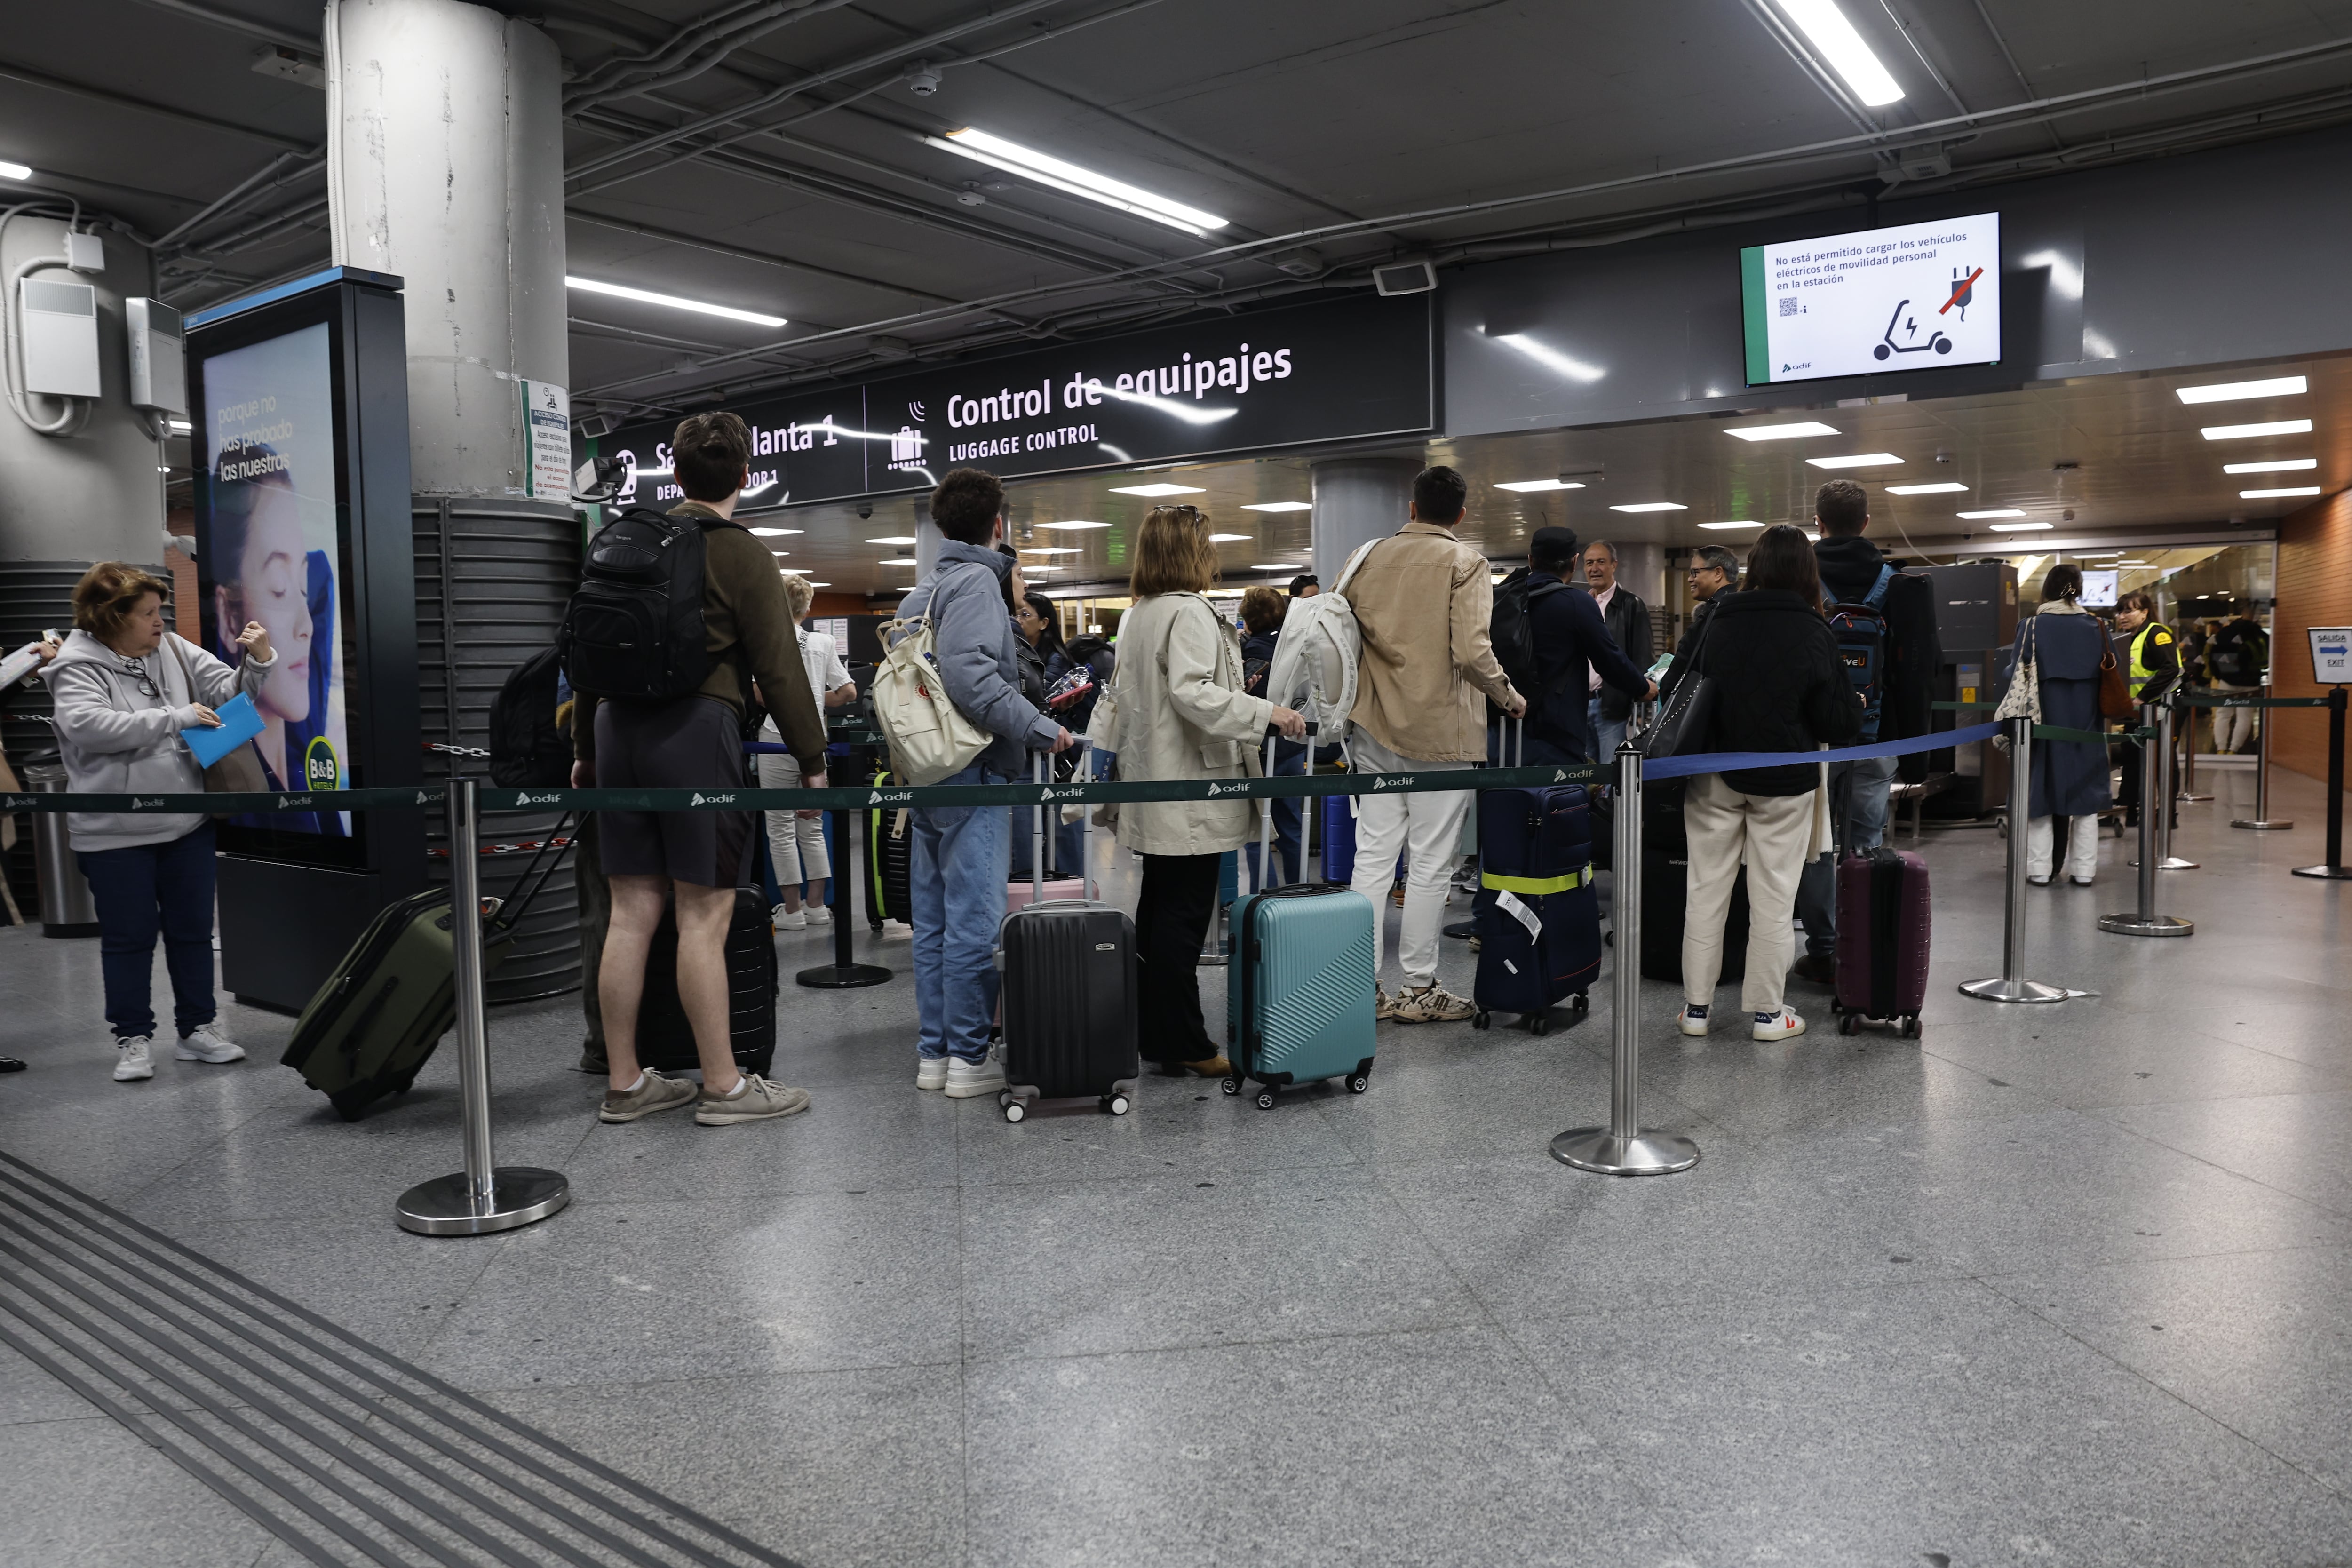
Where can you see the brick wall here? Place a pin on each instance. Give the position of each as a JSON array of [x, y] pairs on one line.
[[2314, 589]]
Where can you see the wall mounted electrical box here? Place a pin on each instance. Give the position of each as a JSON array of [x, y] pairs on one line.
[[59, 323], [159, 363]]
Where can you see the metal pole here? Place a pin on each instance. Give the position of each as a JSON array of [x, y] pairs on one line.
[[2144, 920], [2010, 985], [2189, 791], [2166, 860], [2334, 867], [2261, 821], [483, 1197], [845, 973], [1624, 1148]]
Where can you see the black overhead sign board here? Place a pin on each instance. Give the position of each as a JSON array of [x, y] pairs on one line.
[[1336, 370]]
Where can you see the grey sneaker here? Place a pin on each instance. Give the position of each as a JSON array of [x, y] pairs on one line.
[[207, 1043], [968, 1080], [656, 1093], [1433, 1004], [930, 1072], [133, 1063], [760, 1100]]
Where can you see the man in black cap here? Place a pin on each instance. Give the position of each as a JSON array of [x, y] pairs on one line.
[[1571, 641], [1305, 586]]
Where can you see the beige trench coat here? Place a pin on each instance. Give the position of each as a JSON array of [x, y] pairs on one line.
[[1182, 714]]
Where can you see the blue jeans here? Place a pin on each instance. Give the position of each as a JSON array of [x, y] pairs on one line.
[[143, 890], [1608, 734], [1859, 791], [959, 861]]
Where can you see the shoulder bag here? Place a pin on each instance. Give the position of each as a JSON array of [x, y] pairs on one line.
[[1688, 716], [2023, 698], [2114, 692], [240, 772]]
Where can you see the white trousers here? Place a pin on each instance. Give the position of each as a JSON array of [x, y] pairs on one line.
[[2233, 728], [795, 843], [2081, 847], [1770, 833], [1427, 828]]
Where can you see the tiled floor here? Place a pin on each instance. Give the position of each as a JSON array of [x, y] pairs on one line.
[[2055, 1285]]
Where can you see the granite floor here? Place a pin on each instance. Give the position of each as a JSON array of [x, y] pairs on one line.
[[2065, 1285]]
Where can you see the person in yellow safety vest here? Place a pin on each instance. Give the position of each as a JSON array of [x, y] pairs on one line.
[[2152, 666]]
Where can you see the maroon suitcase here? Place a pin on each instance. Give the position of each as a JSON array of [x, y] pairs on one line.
[[1882, 940]]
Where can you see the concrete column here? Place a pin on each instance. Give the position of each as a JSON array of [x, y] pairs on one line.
[[1356, 500], [445, 164]]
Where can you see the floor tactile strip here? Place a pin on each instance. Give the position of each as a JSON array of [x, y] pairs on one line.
[[345, 1452]]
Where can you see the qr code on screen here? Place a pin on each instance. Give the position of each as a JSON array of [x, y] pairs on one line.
[[1788, 304]]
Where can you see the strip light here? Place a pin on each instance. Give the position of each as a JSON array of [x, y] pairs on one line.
[[1826, 28], [2280, 493], [893, 539], [2270, 427], [1278, 506], [1782, 432], [1998, 511], [1651, 506], [1524, 485], [1047, 170], [1229, 538], [2232, 391], [1943, 488], [647, 297], [1051, 550], [1157, 490], [1855, 461], [2020, 527], [2276, 466], [1731, 525], [1072, 525], [15, 172]]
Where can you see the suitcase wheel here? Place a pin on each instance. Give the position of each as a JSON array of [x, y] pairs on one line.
[[1232, 1086], [1114, 1104], [1480, 1020], [1015, 1111], [1911, 1026], [1848, 1024], [1358, 1083], [1265, 1099], [1581, 1002], [1837, 1006], [1539, 1024]]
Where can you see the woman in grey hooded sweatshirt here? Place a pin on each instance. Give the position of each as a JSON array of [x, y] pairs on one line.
[[124, 690]]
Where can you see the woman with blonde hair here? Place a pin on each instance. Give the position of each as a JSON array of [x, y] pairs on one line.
[[1181, 714], [796, 838]]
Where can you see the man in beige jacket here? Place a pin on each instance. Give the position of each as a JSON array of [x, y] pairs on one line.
[[1422, 601]]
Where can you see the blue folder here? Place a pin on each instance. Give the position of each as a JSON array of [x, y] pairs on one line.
[[239, 723]]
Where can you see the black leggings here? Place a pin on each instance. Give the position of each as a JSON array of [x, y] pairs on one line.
[[1171, 921]]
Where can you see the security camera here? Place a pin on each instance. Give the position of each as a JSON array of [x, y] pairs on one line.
[[864, 509], [924, 81]]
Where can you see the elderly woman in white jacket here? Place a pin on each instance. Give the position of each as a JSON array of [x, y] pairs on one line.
[[1182, 714]]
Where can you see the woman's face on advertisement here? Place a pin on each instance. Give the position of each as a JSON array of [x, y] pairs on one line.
[[274, 579]]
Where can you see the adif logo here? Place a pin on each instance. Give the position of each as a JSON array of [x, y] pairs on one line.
[[701, 799], [1557, 774], [882, 797], [1397, 781], [1216, 790], [139, 805], [1073, 793], [288, 802], [523, 797]]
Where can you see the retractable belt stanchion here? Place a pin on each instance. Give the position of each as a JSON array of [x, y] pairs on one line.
[[2166, 860], [2144, 920], [1624, 1148], [2334, 867], [484, 1197], [2187, 790], [2010, 985], [845, 973], [2261, 821]]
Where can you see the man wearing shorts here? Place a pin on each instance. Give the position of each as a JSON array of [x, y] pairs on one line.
[[696, 860]]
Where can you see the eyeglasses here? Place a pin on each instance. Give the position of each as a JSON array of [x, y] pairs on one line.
[[137, 670]]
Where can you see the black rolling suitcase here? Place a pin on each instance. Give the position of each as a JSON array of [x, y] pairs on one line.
[[1665, 887], [1069, 995], [376, 1021], [889, 852], [665, 1039]]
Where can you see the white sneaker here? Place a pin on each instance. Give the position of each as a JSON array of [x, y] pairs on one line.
[[133, 1063], [930, 1072], [208, 1045], [817, 914], [788, 920], [967, 1080], [1693, 1020], [1784, 1024]]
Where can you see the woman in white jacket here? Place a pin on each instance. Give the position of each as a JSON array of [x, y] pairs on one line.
[[1182, 714], [125, 689]]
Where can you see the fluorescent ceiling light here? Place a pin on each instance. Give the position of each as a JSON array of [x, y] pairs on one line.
[[2135, 562], [2276, 466], [820, 584], [2276, 494], [1279, 506], [1157, 490], [2231, 390], [1284, 566], [893, 539], [647, 297], [1523, 486], [1068, 526], [1782, 432], [1731, 525], [1826, 28], [2020, 527], [15, 172], [775, 532], [1227, 538], [1944, 487], [1051, 550], [1652, 506], [1999, 512], [1047, 170], [1551, 359], [1855, 461], [899, 561], [2240, 432]]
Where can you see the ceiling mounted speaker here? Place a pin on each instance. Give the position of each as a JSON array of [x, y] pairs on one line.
[[1405, 277]]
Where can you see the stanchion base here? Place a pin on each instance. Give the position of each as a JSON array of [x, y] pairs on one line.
[[2259, 827], [2333, 873], [2131, 922], [2191, 799], [519, 1195], [2000, 990], [842, 976], [1648, 1153], [2169, 863]]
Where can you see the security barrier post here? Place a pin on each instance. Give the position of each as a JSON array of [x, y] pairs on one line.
[[484, 1197], [1624, 1148], [2010, 985], [2166, 860], [2334, 867], [2144, 920], [845, 973], [2187, 790], [2261, 821]]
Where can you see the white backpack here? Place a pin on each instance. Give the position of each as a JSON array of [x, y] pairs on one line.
[[1314, 667], [929, 737]]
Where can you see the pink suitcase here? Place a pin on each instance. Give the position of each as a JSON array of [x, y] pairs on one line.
[[1882, 940]]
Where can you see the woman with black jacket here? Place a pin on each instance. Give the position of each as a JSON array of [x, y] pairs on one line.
[[1780, 686]]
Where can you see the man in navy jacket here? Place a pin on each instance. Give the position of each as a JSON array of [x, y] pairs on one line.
[[1571, 642]]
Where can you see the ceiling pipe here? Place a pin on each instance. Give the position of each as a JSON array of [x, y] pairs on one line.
[[771, 18]]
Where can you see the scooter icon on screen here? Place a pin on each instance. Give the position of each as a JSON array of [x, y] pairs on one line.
[[1910, 341]]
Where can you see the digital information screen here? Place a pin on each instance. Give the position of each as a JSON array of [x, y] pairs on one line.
[[271, 555], [1921, 295], [2099, 587]]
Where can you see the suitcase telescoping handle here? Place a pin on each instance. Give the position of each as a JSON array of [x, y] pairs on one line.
[[1266, 875], [1042, 767]]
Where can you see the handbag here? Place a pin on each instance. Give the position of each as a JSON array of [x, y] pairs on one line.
[[2115, 694], [2023, 698], [239, 772], [1686, 717]]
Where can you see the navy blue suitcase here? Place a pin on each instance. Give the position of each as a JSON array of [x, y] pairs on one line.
[[1536, 914]]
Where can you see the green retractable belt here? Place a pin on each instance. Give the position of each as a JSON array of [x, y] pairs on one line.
[[1536, 887]]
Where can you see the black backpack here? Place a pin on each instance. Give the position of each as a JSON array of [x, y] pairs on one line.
[[634, 629], [1513, 630], [527, 751]]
